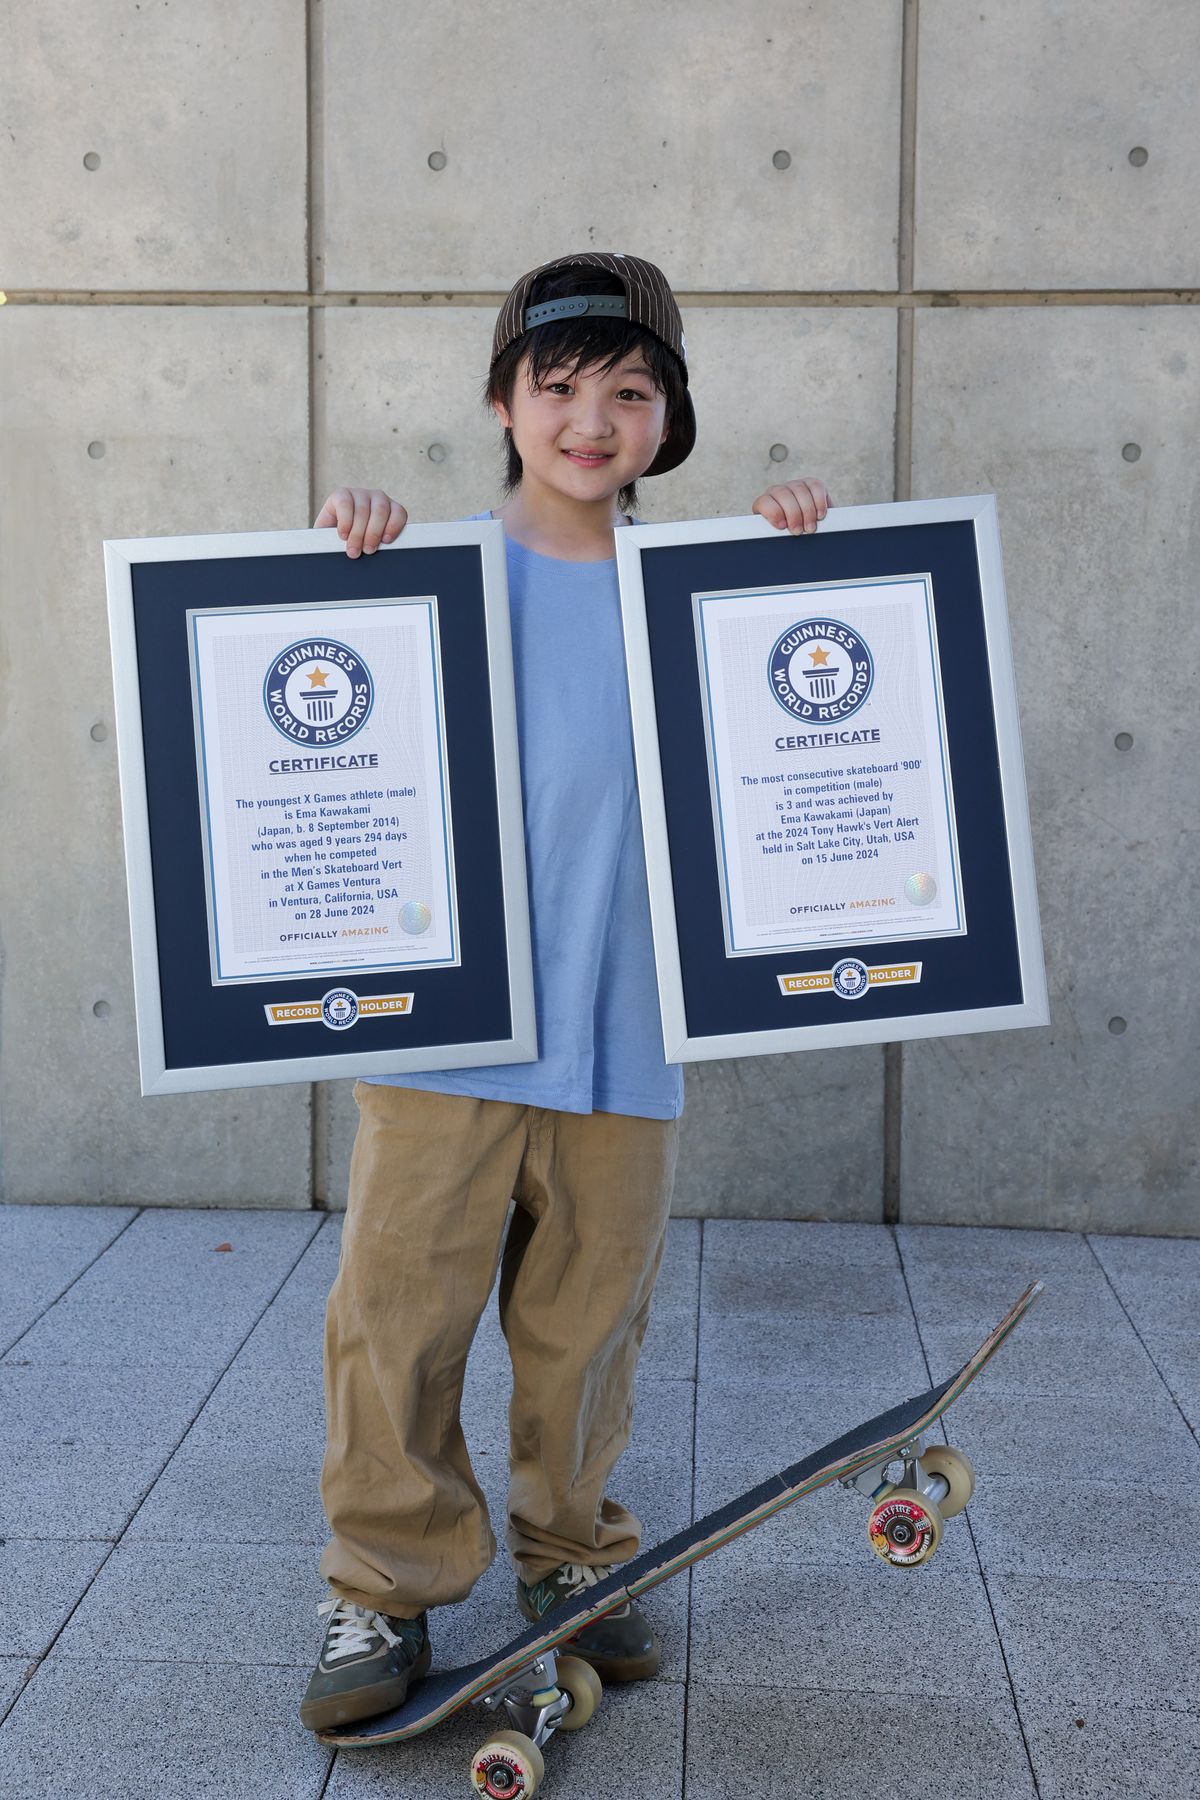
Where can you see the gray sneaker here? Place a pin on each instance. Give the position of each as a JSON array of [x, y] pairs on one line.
[[366, 1663], [620, 1647]]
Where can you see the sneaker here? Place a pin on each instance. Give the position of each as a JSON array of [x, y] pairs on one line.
[[620, 1646], [366, 1664]]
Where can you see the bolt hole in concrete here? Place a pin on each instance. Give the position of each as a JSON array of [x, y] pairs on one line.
[[779, 452], [91, 160], [436, 453], [437, 159], [96, 451], [1131, 452], [782, 159], [99, 732], [1117, 1026], [1138, 156], [1124, 740], [102, 1009]]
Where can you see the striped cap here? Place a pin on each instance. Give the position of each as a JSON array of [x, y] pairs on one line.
[[647, 301]]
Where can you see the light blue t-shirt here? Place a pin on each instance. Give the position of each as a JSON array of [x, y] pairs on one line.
[[594, 983]]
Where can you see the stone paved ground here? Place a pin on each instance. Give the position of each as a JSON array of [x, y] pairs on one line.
[[160, 1401]]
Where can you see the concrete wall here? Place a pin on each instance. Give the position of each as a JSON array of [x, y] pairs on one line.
[[929, 248]]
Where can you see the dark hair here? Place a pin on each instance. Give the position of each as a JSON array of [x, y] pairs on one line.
[[585, 343]]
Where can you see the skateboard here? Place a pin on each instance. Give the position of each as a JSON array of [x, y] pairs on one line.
[[912, 1488]]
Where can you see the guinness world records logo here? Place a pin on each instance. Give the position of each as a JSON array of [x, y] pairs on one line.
[[339, 1008], [820, 669], [318, 692], [850, 978]]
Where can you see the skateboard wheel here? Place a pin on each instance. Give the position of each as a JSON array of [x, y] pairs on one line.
[[509, 1767], [905, 1529], [581, 1682], [952, 1466]]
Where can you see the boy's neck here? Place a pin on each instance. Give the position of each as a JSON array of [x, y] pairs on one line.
[[555, 525]]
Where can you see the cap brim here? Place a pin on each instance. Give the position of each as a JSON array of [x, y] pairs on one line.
[[680, 444]]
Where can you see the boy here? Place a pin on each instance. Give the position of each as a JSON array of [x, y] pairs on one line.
[[588, 378]]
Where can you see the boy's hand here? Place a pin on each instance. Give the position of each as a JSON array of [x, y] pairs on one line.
[[796, 504], [365, 518]]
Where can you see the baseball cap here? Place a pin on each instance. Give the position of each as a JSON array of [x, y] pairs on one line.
[[646, 300]]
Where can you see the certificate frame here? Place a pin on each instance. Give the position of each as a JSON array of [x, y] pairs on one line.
[[469, 1009], [989, 974]]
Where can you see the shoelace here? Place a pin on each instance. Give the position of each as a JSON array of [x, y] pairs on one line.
[[582, 1576], [352, 1628]]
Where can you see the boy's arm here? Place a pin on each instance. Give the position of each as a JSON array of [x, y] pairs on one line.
[[365, 518], [797, 504]]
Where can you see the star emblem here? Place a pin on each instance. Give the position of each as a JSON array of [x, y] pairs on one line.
[[318, 676], [819, 656]]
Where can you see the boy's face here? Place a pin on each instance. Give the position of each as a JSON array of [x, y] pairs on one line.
[[587, 434]]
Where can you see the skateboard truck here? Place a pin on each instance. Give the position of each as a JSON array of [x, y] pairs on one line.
[[532, 1698], [913, 1500]]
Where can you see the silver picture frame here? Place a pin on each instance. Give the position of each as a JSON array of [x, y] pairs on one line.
[[655, 708], [506, 898]]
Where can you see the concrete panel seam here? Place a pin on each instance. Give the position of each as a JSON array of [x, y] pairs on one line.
[[687, 1654], [893, 1093], [1087, 1238], [319, 1139], [906, 233], [917, 300], [315, 126], [7, 1350], [1012, 1686], [893, 1131], [318, 1172]]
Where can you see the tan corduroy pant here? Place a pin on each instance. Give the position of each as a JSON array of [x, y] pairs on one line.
[[430, 1184]]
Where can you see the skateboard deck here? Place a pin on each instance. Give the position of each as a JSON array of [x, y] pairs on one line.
[[859, 1459]]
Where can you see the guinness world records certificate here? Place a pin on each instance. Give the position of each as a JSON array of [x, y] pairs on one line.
[[331, 850], [321, 798], [829, 765], [835, 823]]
